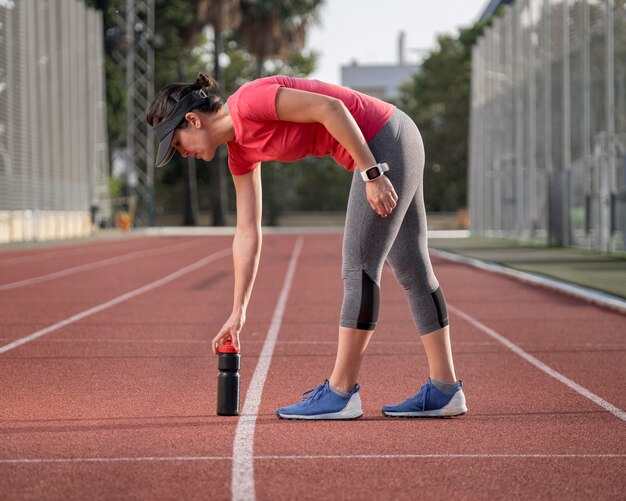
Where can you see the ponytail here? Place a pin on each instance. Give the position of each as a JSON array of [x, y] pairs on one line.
[[164, 102]]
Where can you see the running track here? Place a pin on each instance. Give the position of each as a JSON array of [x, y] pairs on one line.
[[108, 383]]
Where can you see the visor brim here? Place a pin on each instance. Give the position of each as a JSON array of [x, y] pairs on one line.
[[165, 130], [166, 150]]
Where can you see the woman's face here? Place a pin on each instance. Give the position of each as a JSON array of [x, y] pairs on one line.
[[193, 140]]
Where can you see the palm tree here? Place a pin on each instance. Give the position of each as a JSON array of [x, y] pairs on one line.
[[267, 28], [275, 28], [222, 15]]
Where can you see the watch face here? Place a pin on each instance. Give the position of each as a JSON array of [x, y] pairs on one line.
[[372, 173]]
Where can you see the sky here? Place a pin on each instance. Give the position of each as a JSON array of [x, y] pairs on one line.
[[367, 31]]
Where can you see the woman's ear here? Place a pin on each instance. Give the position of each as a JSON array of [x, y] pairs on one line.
[[193, 119]]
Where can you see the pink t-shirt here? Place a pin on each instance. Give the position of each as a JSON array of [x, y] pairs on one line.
[[260, 136]]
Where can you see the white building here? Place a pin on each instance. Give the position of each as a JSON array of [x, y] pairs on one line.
[[380, 80]]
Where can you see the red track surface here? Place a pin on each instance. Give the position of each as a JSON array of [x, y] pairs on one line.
[[120, 404]]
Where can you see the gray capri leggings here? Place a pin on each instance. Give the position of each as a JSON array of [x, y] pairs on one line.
[[401, 238]]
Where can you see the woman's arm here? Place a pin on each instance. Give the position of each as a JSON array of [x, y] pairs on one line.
[[246, 252], [294, 105]]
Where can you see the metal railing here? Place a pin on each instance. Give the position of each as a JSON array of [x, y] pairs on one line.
[[548, 124]]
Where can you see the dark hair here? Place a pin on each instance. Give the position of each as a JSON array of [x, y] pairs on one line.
[[164, 102]]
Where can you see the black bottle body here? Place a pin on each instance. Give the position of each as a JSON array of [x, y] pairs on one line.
[[228, 384]]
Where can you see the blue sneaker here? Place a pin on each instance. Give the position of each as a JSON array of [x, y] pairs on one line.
[[430, 402], [323, 403]]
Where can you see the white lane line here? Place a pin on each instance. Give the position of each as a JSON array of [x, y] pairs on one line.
[[308, 457], [443, 456], [117, 300], [96, 264], [540, 365], [70, 250], [242, 484], [248, 341]]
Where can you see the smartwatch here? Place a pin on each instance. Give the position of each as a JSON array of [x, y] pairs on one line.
[[374, 172]]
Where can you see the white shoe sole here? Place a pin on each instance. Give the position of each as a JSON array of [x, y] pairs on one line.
[[352, 410], [455, 407]]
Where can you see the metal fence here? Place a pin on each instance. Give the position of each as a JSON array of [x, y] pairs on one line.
[[548, 124], [53, 146]]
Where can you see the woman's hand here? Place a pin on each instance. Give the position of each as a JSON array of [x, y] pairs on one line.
[[381, 195], [229, 332]]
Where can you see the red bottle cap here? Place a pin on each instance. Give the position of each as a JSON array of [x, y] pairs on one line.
[[227, 347]]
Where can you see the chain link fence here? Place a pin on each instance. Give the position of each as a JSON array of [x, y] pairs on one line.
[[548, 125], [53, 146]]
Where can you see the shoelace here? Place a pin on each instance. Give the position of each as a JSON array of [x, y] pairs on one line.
[[423, 393], [427, 392], [314, 393]]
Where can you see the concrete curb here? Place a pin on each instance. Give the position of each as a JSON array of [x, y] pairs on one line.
[[202, 231], [591, 295], [199, 231]]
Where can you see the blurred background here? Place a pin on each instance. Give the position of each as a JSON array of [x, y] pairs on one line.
[[521, 103]]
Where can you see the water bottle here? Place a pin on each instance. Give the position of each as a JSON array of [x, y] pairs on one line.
[[228, 380]]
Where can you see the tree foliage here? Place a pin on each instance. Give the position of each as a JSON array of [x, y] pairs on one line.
[[270, 40], [437, 98], [184, 48], [275, 28]]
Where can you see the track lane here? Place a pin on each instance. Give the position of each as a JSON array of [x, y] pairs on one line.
[[91, 265], [96, 247], [525, 432], [559, 330], [72, 259], [111, 401], [50, 302], [542, 428], [49, 250]]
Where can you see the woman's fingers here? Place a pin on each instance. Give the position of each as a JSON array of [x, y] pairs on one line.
[[389, 206], [216, 343], [226, 334], [235, 340], [217, 340], [382, 208], [382, 197], [385, 205]]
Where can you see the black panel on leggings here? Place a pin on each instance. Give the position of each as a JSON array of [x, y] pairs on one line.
[[370, 303], [440, 305]]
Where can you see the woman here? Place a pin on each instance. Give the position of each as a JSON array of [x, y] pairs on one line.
[[285, 119]]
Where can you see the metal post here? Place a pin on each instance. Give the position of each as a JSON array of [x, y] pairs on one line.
[[473, 133], [547, 115], [74, 108], [138, 61], [547, 88], [150, 18], [505, 122], [498, 136], [518, 81], [610, 121], [53, 91], [23, 105], [532, 128], [490, 116], [130, 98], [566, 129], [586, 139]]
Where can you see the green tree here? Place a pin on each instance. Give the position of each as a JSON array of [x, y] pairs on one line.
[[279, 180], [183, 50], [275, 28], [438, 100], [222, 15]]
